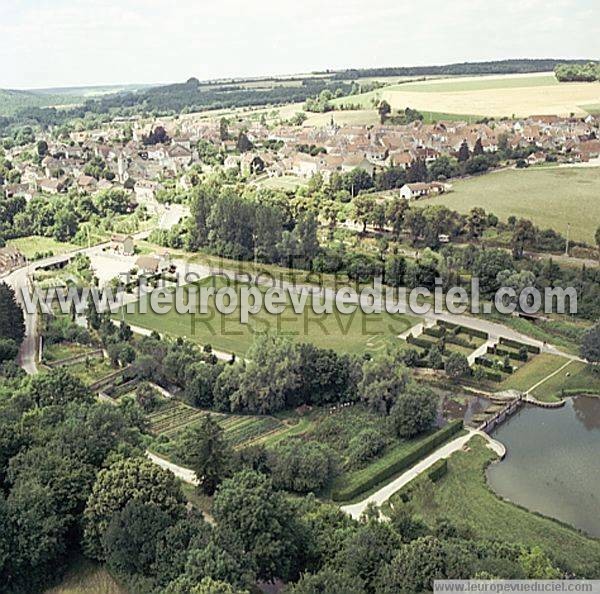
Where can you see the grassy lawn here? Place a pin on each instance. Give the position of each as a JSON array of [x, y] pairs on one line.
[[582, 379], [34, 244], [352, 333], [91, 370], [63, 350], [87, 577], [286, 182], [551, 198], [535, 370], [563, 333], [464, 497]]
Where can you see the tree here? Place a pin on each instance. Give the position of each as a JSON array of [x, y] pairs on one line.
[[58, 387], [457, 366], [414, 411], [384, 109], [224, 129], [383, 381], [129, 543], [363, 206], [395, 269], [597, 238], [243, 143], [42, 148], [8, 349], [478, 148], [590, 344], [476, 222], [204, 448], [486, 267], [523, 234], [257, 521], [12, 324], [133, 479], [327, 581], [302, 467], [366, 551], [419, 562], [417, 172], [270, 378], [463, 152]]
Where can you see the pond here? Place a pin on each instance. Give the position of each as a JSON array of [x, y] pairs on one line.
[[553, 462]]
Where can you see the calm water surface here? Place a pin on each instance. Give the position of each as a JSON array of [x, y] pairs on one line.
[[553, 462]]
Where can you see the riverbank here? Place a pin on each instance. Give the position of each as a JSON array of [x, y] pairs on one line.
[[464, 497]]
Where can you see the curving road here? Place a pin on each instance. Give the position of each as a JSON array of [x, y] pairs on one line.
[[382, 495]]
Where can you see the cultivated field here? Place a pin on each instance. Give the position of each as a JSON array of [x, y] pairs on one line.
[[496, 96], [550, 197], [351, 333]]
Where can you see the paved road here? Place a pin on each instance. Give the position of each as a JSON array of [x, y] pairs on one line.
[[379, 497]]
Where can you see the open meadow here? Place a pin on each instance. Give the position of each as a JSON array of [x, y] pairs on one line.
[[493, 96], [550, 197], [350, 333]]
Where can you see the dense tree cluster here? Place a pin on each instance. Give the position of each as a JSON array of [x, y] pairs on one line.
[[588, 72]]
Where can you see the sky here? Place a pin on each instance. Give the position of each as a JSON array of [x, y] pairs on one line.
[[51, 43]]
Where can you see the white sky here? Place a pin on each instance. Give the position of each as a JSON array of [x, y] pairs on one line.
[[46, 43]]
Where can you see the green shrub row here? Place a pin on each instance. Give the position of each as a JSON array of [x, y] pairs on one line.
[[438, 470], [434, 331], [517, 345], [459, 341], [458, 329], [398, 465], [493, 364], [505, 352], [420, 342]]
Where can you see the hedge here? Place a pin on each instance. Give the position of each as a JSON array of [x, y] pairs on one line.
[[396, 466], [434, 331], [518, 345], [420, 342], [451, 339], [504, 352], [457, 328], [438, 470]]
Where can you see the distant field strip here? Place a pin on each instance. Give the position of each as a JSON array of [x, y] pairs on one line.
[[502, 96], [551, 198]]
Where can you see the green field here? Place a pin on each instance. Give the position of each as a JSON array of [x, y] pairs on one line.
[[351, 333], [533, 372], [483, 83], [464, 497], [581, 379], [551, 198], [285, 182], [34, 244]]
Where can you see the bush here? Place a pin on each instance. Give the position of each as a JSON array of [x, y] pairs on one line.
[[394, 467], [302, 467], [420, 342], [365, 446], [519, 345]]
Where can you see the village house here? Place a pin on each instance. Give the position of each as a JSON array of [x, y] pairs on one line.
[[420, 189], [122, 244], [86, 183], [49, 186]]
